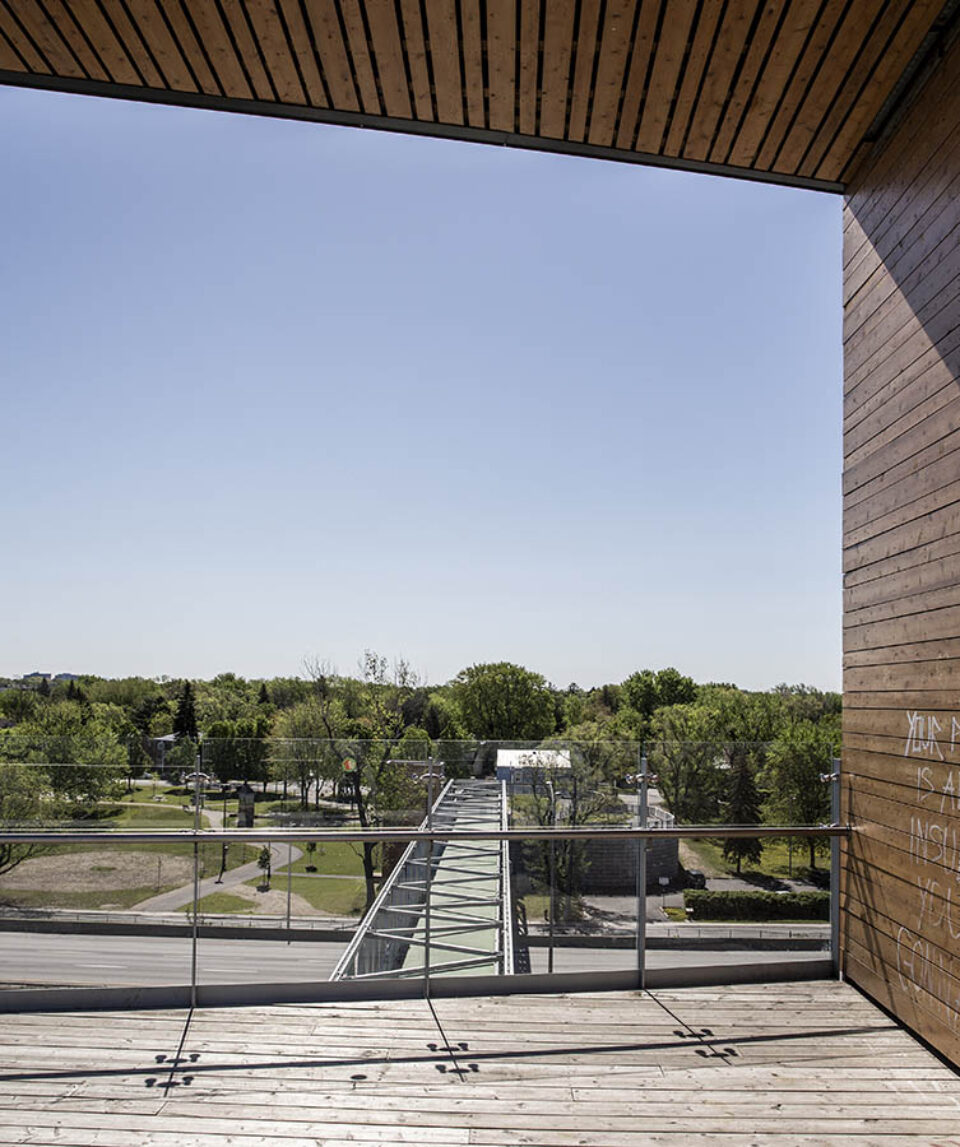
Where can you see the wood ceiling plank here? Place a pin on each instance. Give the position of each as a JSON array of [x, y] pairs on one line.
[[51, 44], [417, 59], [10, 60], [665, 78], [388, 53], [111, 50], [20, 43], [810, 59], [64, 18], [246, 46], [190, 46], [220, 51], [557, 55], [132, 42], [275, 49], [152, 29], [359, 48], [502, 62], [306, 56], [731, 44], [527, 91], [586, 46], [445, 58], [472, 26], [742, 96], [786, 51], [635, 84], [693, 74], [837, 77], [612, 68], [333, 55], [887, 70]]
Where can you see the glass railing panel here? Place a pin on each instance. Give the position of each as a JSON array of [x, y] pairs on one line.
[[281, 912], [737, 901], [76, 912], [457, 908]]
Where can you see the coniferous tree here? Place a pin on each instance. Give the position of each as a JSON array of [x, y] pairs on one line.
[[264, 696], [743, 807], [185, 718], [44, 687]]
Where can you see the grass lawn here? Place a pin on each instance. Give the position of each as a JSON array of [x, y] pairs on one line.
[[332, 858], [338, 897], [221, 902], [775, 860], [161, 817], [118, 898]]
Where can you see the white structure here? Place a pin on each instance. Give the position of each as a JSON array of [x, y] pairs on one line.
[[519, 767]]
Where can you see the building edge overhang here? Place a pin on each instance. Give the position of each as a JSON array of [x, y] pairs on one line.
[[462, 133]]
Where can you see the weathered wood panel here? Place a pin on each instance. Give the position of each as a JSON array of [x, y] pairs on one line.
[[902, 567], [693, 1066]]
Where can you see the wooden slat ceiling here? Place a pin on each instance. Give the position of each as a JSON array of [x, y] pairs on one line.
[[788, 90]]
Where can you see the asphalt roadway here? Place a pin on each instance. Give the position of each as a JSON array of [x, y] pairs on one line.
[[58, 960]]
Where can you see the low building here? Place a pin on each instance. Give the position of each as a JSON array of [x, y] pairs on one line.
[[521, 768]]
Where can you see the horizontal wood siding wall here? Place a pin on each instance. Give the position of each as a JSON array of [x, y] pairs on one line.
[[901, 922]]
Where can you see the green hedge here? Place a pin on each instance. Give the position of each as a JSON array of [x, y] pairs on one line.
[[757, 905]]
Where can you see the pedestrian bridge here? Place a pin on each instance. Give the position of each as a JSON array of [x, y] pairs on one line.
[[446, 907]]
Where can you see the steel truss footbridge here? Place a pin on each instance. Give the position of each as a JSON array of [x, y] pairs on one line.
[[446, 906]]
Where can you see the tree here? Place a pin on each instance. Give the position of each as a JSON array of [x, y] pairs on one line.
[[263, 697], [26, 801], [742, 807], [185, 718], [17, 704], [300, 745], [647, 691], [376, 787], [264, 863], [573, 797], [795, 762], [687, 757], [81, 756], [44, 687], [502, 701]]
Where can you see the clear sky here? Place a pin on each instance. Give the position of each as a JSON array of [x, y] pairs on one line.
[[273, 390]]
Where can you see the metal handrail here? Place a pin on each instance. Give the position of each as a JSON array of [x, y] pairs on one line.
[[380, 835]]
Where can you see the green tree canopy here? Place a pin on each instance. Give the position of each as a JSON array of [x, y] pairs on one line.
[[795, 794], [502, 701]]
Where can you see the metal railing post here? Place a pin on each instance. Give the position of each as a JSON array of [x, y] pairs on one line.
[[552, 910], [195, 931], [428, 872], [835, 869], [642, 873]]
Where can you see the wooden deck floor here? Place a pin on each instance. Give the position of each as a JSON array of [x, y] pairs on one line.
[[810, 1063]]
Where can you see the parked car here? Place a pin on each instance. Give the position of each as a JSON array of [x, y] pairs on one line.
[[696, 879]]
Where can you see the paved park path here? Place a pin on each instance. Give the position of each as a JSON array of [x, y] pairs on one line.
[[180, 897]]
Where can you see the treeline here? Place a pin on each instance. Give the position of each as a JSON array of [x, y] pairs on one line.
[[719, 753]]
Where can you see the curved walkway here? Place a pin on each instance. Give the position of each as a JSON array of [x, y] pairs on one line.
[[180, 897]]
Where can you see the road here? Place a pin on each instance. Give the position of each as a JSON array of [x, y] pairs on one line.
[[120, 961]]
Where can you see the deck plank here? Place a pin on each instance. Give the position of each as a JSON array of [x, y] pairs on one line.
[[763, 1064]]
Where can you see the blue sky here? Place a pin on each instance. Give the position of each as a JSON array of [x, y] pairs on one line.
[[274, 390]]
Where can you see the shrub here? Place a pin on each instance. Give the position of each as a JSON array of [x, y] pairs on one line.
[[758, 905]]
